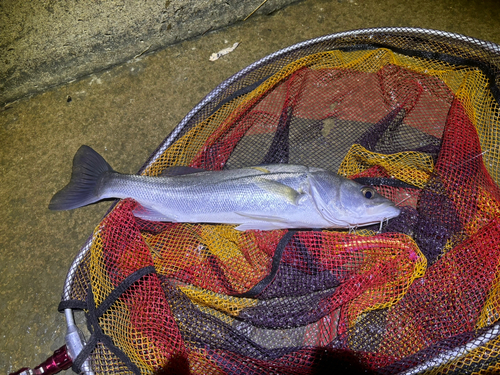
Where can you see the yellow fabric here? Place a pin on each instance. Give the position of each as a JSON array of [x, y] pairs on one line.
[[414, 168]]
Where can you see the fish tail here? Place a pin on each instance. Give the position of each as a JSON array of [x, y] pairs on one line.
[[88, 170]]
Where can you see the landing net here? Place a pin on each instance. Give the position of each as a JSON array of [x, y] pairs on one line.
[[413, 112]]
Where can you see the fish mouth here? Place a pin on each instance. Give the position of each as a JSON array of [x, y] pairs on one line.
[[383, 212], [374, 215], [394, 211]]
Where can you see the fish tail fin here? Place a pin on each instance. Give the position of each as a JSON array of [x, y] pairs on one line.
[[88, 170]]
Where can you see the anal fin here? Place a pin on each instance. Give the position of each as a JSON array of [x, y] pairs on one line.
[[261, 222], [148, 213], [262, 225]]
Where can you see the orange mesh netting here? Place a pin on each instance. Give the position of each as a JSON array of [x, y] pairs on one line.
[[416, 117]]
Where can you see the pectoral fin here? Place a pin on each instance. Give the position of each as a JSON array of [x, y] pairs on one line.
[[280, 190]]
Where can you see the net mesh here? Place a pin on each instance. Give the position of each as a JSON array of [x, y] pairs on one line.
[[413, 113]]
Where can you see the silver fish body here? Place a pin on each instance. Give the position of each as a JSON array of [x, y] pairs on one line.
[[264, 197]]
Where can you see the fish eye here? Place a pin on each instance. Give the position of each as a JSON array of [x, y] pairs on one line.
[[368, 192]]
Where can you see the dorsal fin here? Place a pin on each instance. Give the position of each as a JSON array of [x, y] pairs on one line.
[[179, 170]]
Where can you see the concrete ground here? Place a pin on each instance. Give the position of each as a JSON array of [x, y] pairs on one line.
[[124, 113], [46, 42]]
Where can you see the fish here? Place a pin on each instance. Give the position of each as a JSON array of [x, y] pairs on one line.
[[263, 197]]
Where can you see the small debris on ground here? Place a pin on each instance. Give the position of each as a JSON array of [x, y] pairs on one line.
[[217, 55]]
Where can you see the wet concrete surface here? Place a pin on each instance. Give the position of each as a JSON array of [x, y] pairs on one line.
[[124, 113]]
